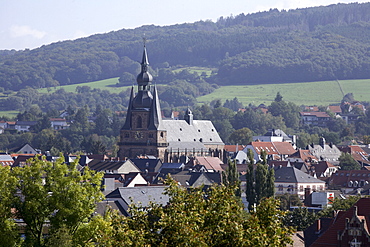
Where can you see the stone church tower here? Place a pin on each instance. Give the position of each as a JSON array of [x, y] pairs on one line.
[[143, 132]]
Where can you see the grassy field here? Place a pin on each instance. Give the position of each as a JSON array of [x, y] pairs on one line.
[[10, 114], [307, 93], [107, 84]]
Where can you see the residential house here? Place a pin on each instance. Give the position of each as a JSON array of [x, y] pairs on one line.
[[113, 166], [59, 123], [274, 150], [347, 228], [293, 181], [211, 164], [325, 152], [24, 126], [286, 163], [6, 160], [191, 178], [315, 118], [147, 165], [311, 108], [143, 196], [357, 153], [347, 181], [323, 169], [276, 135], [336, 109], [26, 149]]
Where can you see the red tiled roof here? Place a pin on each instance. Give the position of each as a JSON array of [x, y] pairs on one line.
[[342, 178], [335, 108], [330, 236], [210, 163], [234, 148], [304, 154], [322, 166], [284, 148], [312, 108], [267, 146]]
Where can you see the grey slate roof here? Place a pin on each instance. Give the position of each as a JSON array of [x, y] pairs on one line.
[[182, 135], [147, 165], [142, 195], [293, 175]]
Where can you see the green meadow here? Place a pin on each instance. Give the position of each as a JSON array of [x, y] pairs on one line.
[[107, 84], [306, 93]]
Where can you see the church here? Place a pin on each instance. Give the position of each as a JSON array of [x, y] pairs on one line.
[[147, 133]]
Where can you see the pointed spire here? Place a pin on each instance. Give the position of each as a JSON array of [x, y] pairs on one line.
[[127, 124], [144, 78], [155, 119]]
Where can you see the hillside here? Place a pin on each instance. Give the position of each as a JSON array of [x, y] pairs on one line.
[[319, 43]]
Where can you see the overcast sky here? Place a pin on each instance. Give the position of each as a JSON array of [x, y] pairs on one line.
[[32, 23]]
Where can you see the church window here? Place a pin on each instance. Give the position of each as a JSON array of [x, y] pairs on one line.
[[180, 129], [162, 134], [210, 139], [198, 130], [139, 123], [127, 135], [150, 135], [212, 130], [195, 140], [201, 139], [179, 140]]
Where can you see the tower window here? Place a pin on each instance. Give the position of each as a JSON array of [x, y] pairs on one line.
[[127, 135], [162, 134], [150, 135], [139, 123]]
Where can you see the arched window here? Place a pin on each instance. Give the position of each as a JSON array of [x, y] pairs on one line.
[[139, 122]]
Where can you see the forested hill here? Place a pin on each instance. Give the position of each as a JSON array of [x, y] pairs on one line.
[[318, 43]]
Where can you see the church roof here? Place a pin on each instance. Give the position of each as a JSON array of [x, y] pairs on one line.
[[200, 133]]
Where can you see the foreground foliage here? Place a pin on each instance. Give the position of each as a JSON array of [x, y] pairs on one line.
[[53, 199], [198, 217]]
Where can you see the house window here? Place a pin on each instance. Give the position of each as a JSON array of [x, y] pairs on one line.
[[280, 188], [290, 188], [313, 187], [301, 188]]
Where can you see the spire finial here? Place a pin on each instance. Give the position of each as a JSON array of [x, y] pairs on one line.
[[144, 40]]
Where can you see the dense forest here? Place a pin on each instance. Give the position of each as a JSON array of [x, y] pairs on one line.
[[317, 43]]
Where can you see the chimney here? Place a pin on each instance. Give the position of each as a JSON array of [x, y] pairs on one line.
[[318, 226], [307, 193]]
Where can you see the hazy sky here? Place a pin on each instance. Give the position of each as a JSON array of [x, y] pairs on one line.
[[32, 23]]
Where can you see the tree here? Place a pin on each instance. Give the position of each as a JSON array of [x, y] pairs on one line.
[[339, 204], [300, 218], [56, 192], [260, 180], [347, 162], [231, 177], [198, 217], [8, 232], [241, 136]]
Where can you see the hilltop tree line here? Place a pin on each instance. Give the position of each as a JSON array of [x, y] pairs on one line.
[[297, 45]]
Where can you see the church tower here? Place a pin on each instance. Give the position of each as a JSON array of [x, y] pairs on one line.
[[143, 132]]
